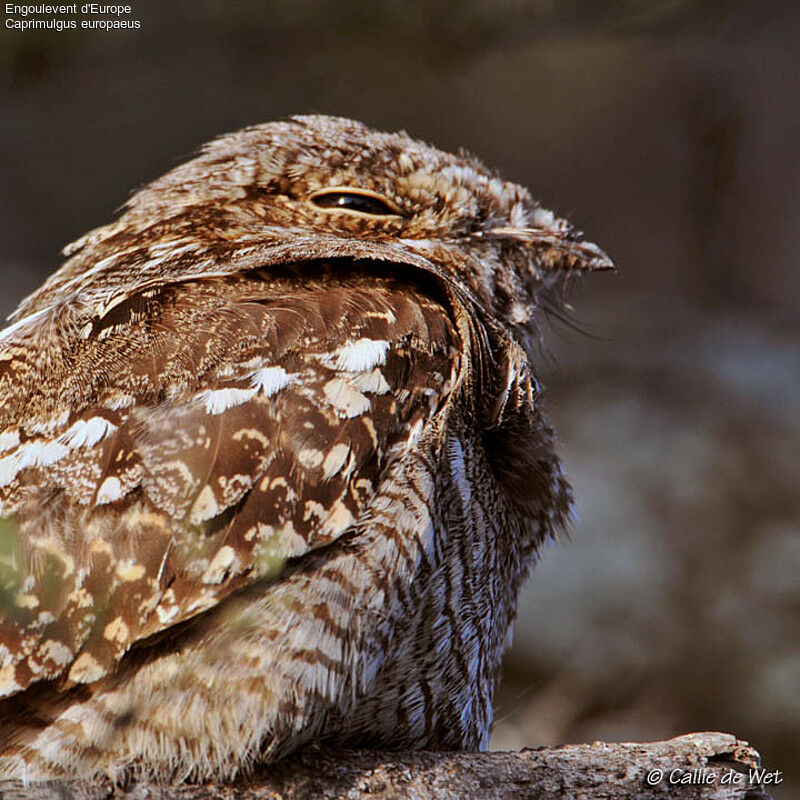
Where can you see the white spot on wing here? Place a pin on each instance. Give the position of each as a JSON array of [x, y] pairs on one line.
[[86, 433], [310, 458], [117, 631], [371, 382], [86, 669], [345, 397], [205, 507], [30, 454], [362, 355], [339, 519], [335, 460], [166, 613], [109, 491], [8, 439], [56, 651], [220, 565], [270, 380], [217, 401], [8, 683]]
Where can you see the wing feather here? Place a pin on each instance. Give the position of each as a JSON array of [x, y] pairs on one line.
[[214, 431]]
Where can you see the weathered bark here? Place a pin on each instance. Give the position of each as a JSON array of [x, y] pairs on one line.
[[577, 772]]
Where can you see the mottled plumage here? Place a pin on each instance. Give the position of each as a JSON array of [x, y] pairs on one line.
[[273, 462]]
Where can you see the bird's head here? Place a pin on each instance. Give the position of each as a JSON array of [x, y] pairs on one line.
[[317, 187]]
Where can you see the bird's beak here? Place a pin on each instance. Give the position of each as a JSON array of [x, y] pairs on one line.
[[557, 251]]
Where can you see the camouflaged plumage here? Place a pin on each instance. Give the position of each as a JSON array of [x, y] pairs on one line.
[[273, 462]]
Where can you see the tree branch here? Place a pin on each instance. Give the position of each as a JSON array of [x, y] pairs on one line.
[[693, 767]]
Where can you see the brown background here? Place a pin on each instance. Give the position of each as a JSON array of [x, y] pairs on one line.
[[668, 130]]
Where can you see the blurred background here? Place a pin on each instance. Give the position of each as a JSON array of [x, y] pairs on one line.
[[668, 130]]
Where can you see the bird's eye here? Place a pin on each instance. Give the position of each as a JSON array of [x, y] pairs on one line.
[[359, 201]]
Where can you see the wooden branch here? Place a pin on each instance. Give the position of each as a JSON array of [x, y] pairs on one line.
[[691, 767]]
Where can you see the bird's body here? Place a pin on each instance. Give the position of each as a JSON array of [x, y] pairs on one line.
[[272, 460]]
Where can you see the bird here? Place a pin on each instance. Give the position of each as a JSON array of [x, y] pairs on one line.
[[274, 459]]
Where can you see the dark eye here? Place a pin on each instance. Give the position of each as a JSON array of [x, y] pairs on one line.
[[360, 201]]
